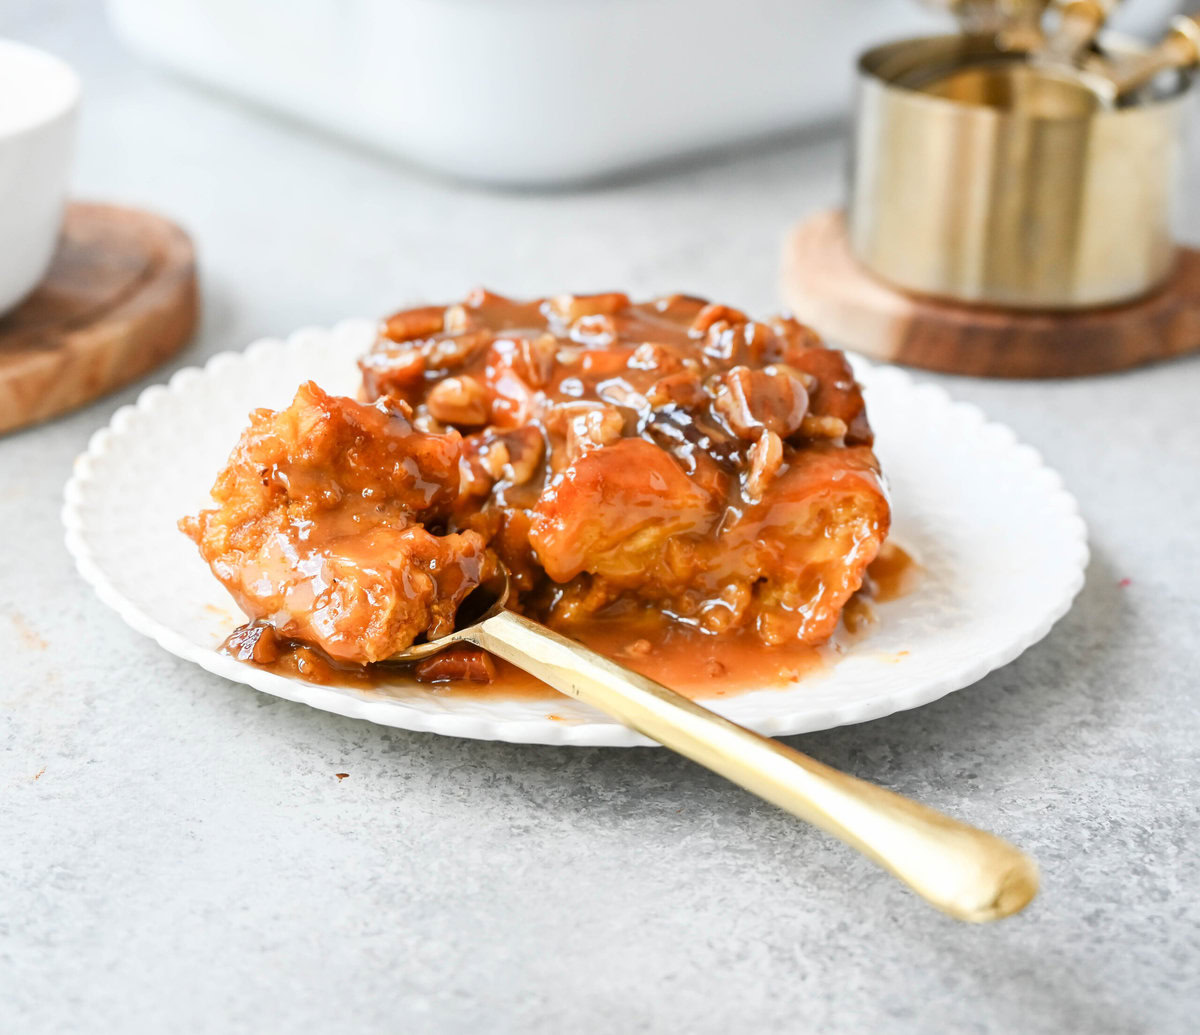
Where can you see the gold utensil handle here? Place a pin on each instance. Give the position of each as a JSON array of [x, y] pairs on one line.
[[965, 872], [1179, 48], [1080, 20]]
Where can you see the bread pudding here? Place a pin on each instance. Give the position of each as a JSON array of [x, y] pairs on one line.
[[665, 464]]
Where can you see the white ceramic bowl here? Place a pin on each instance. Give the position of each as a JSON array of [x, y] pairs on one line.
[[39, 96]]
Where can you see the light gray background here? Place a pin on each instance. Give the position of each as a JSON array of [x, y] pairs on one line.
[[177, 854]]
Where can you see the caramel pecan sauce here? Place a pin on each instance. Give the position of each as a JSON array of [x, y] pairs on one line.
[[689, 661], [671, 482]]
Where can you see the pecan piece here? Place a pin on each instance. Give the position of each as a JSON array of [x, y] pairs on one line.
[[415, 323], [531, 359], [726, 610], [526, 448], [683, 389], [765, 459], [722, 342], [590, 427], [594, 329], [815, 426], [751, 400], [457, 320], [392, 371], [257, 642], [652, 356], [451, 353], [458, 400], [570, 308], [712, 314]]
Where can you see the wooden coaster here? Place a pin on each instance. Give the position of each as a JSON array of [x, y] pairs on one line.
[[120, 297], [827, 288]]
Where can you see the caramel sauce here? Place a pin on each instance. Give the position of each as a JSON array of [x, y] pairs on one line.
[[698, 665], [892, 574]]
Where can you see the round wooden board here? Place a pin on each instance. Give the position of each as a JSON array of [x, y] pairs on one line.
[[827, 288], [120, 297]]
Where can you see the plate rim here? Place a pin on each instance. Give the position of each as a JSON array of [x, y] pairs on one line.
[[359, 704]]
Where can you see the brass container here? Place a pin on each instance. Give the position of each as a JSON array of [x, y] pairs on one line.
[[1001, 191]]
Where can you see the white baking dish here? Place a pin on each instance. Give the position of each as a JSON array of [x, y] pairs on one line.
[[527, 91]]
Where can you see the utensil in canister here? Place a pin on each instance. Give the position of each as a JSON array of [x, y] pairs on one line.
[[1057, 82], [1011, 207], [1179, 49], [1044, 81], [963, 871], [1066, 206], [1115, 82], [1078, 23], [1013, 24]]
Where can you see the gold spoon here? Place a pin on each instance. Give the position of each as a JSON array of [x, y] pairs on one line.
[[1179, 48], [1079, 22], [1015, 24], [1050, 86], [970, 874], [1046, 85]]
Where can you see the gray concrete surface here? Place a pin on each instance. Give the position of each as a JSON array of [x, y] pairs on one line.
[[176, 853]]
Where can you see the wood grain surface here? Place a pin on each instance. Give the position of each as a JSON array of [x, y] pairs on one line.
[[827, 288], [120, 297]]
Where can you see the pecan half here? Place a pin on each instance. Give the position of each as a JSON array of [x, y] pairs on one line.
[[415, 323], [458, 400], [750, 400]]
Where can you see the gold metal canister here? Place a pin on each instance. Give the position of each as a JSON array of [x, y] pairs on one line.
[[1063, 203]]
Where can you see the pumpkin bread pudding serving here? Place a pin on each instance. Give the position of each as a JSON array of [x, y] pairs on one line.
[[666, 464]]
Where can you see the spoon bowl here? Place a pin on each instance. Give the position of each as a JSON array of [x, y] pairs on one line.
[[486, 601]]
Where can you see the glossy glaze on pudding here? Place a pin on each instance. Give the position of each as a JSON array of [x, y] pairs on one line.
[[659, 466]]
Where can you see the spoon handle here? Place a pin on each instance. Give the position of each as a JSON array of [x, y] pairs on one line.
[[1179, 48], [1079, 21], [965, 872]]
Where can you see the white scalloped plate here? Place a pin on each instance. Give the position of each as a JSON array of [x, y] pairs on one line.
[[1001, 542]]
